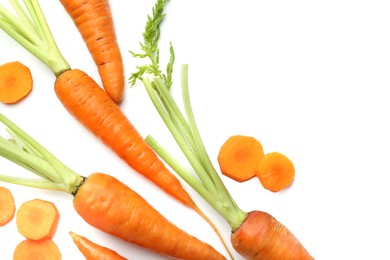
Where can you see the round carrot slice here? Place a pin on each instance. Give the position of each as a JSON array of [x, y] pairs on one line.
[[239, 156], [275, 171], [37, 219], [15, 82]]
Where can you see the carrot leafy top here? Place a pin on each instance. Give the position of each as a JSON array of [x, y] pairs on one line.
[[29, 28], [183, 127], [23, 150]]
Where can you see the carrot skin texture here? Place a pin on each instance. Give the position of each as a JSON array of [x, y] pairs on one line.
[[91, 250], [262, 237], [109, 205], [94, 21], [91, 106]]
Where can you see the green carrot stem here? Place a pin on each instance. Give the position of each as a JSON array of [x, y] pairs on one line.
[[40, 160], [32, 32], [177, 135]]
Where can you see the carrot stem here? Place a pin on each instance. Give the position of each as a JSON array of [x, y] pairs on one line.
[[217, 195], [32, 32], [57, 175]]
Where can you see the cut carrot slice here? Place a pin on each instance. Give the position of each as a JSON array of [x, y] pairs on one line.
[[7, 206], [37, 219], [44, 249], [15, 82], [275, 171], [239, 156]]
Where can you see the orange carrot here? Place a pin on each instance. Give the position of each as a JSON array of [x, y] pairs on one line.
[[275, 171], [262, 237], [239, 156], [37, 219], [94, 21], [44, 249], [112, 207], [7, 206], [103, 201], [91, 250], [93, 108], [15, 82]]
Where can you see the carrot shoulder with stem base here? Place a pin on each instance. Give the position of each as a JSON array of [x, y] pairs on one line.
[[255, 235], [89, 103], [101, 200]]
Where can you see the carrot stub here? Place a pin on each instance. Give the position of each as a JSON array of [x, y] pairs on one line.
[[91, 250], [15, 82], [239, 156], [37, 219], [7, 206], [44, 249], [275, 171]]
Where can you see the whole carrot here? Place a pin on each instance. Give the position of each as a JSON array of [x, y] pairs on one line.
[[94, 21], [87, 102], [102, 201]]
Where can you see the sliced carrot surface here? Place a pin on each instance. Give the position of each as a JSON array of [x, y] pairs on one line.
[[7, 206], [37, 219], [15, 82], [44, 249], [239, 156], [275, 171]]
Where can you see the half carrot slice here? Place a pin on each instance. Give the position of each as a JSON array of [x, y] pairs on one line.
[[7, 206], [32, 249]]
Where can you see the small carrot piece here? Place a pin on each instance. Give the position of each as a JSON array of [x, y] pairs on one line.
[[239, 156], [15, 82], [275, 171], [262, 237], [45, 249], [37, 219], [91, 250], [94, 21], [7, 206]]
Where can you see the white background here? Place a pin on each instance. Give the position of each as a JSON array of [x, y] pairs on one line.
[[306, 78]]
